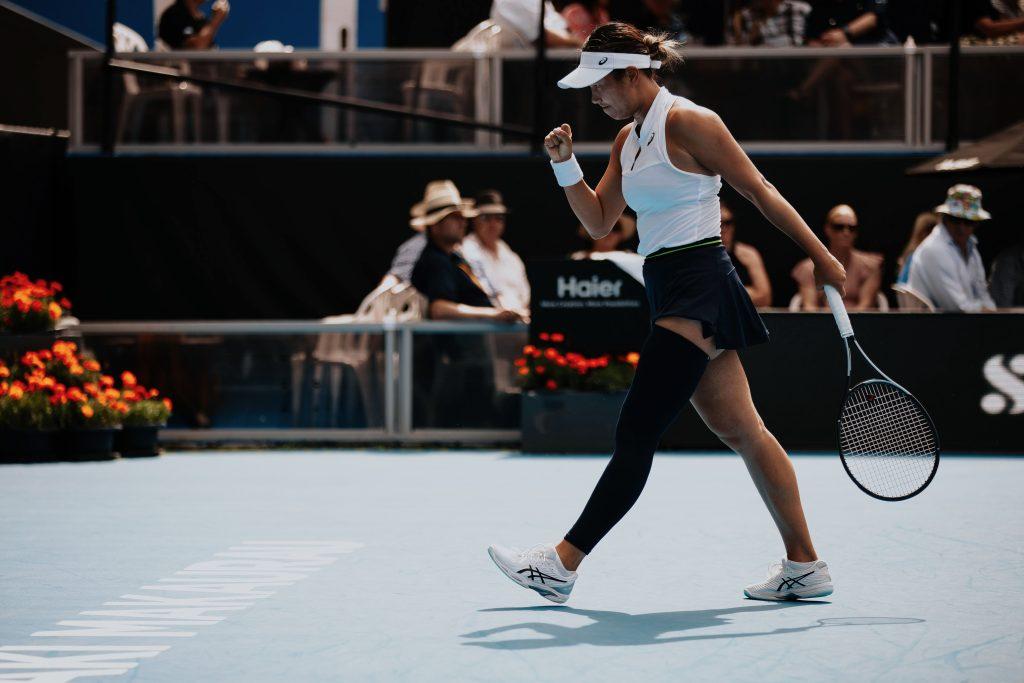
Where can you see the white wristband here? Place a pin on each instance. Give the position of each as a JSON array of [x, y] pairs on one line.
[[567, 172]]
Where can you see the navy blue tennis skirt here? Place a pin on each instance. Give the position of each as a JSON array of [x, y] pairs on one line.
[[699, 282]]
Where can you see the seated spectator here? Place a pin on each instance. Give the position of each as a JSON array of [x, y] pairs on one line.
[[947, 267], [441, 274], [749, 266], [583, 17], [497, 266], [863, 270], [184, 27], [520, 19], [618, 240], [923, 225], [991, 21], [771, 23], [841, 23], [1007, 283], [655, 16]]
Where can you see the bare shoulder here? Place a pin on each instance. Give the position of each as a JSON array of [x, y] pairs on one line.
[[686, 123], [623, 133]]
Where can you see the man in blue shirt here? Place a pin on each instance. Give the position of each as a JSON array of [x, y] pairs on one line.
[[947, 268]]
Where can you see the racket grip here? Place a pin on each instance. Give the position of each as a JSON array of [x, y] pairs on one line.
[[835, 302]]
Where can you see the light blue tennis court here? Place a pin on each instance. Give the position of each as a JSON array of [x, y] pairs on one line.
[[368, 565]]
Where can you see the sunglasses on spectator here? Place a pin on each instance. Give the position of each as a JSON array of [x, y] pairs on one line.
[[844, 226]]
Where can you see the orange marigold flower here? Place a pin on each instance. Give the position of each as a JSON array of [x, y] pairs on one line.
[[37, 306], [522, 371], [54, 310], [76, 394], [56, 286], [88, 411], [4, 372], [77, 369], [632, 357], [551, 385], [544, 336], [91, 388], [128, 379], [91, 365], [64, 303], [16, 392], [550, 353], [519, 363], [557, 337], [167, 404], [129, 395], [540, 369], [111, 393], [107, 380], [529, 349], [153, 393]]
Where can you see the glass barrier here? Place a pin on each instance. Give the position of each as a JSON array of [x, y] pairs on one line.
[[375, 382], [795, 97], [991, 92], [764, 98], [151, 110], [252, 381]]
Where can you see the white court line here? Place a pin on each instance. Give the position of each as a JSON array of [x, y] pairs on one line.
[[205, 590]]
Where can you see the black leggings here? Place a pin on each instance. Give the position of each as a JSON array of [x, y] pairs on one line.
[[666, 377]]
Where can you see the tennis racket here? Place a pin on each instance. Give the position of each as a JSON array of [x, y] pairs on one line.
[[887, 440]]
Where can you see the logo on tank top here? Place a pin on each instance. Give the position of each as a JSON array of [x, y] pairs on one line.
[[594, 288], [650, 139], [603, 60]]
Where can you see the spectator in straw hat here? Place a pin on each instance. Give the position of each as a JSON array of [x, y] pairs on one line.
[[947, 267], [500, 268], [441, 274]]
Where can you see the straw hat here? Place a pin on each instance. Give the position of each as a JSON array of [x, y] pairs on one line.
[[489, 202], [440, 198], [964, 201]]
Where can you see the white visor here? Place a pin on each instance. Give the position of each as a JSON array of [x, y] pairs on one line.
[[596, 65]]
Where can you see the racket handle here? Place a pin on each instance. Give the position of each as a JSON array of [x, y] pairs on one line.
[[835, 302]]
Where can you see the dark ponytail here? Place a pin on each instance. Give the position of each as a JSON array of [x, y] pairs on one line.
[[625, 38]]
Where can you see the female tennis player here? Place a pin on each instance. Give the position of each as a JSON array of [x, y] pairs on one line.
[[667, 164]]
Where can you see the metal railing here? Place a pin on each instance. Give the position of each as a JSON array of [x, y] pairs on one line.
[[397, 425], [865, 99]]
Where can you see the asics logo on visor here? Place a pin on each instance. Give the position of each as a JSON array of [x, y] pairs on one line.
[[603, 60]]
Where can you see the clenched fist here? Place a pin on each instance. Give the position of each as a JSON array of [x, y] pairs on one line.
[[558, 143]]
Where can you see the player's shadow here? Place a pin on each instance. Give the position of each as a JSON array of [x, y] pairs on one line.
[[620, 629]]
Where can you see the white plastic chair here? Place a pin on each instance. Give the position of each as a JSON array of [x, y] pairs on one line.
[[909, 300], [137, 97]]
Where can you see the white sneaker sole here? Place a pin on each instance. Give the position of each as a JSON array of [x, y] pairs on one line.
[[816, 591], [547, 593]]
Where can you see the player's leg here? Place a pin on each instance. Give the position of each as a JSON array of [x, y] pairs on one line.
[[723, 401], [668, 372]]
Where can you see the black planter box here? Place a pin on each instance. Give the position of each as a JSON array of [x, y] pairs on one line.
[[24, 445], [570, 421], [137, 441], [88, 444]]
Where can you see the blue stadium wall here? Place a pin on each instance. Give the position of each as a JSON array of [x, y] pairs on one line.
[[296, 22]]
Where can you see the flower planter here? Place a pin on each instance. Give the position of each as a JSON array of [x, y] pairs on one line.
[[570, 421], [28, 445], [138, 441], [89, 444]]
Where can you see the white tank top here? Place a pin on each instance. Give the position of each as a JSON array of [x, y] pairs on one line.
[[673, 207]]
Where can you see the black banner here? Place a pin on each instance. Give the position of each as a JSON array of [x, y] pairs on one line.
[[597, 306]]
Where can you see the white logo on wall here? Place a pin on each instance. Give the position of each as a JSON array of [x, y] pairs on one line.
[[595, 287], [1008, 383]]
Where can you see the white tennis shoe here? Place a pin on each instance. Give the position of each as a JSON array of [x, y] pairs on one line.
[[793, 581], [538, 568]]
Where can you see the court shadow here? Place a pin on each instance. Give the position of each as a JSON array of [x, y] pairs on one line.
[[621, 629]]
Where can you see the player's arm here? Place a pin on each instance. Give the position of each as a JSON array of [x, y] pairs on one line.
[[703, 134], [599, 209]]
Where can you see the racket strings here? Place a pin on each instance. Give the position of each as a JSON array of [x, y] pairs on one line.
[[886, 440]]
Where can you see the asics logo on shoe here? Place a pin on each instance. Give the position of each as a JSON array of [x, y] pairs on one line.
[[537, 574], [789, 583]]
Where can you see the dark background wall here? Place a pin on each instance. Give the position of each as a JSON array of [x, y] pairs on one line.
[[285, 237]]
